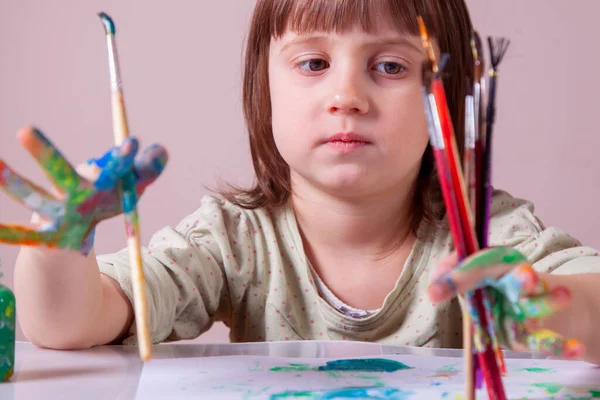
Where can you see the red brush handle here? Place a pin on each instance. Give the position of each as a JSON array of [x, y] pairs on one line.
[[449, 200], [487, 357], [454, 168]]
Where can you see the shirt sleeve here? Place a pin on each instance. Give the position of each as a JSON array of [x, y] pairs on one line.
[[549, 249], [185, 280]]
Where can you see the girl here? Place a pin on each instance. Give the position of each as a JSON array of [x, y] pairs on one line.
[[343, 235]]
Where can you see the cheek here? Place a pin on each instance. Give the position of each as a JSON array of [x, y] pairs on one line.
[[290, 115], [406, 117]]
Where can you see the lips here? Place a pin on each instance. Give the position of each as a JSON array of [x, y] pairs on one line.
[[348, 137]]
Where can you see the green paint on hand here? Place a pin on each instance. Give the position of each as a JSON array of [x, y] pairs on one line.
[[492, 257]]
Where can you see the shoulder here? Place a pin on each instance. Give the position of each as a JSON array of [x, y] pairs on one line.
[[514, 223], [220, 216]]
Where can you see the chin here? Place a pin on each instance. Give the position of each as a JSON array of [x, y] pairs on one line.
[[347, 184]]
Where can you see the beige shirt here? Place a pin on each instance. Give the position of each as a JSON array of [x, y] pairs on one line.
[[248, 269]]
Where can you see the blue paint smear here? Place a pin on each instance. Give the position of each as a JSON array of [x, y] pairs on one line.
[[374, 392], [364, 365], [435, 384]]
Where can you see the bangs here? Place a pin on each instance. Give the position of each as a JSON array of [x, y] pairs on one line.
[[307, 16]]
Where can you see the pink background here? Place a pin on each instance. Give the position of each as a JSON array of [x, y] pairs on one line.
[[182, 67]]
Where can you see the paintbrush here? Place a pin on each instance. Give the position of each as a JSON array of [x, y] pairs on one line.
[[479, 100], [475, 129], [441, 160], [440, 125], [498, 48], [470, 171], [129, 196]]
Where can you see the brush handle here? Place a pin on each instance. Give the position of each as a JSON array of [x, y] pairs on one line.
[[132, 229], [139, 286], [484, 211], [468, 355], [120, 127], [486, 353], [454, 168]]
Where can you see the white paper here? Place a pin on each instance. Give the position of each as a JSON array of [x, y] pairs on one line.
[[259, 377]]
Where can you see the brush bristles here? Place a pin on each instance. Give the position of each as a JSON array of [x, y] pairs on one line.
[[498, 48], [109, 25]]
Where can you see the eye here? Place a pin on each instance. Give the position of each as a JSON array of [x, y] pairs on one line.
[[313, 65], [390, 68]]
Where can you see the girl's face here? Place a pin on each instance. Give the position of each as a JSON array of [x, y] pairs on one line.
[[347, 110]]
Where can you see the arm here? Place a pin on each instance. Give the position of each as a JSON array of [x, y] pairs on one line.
[[63, 300], [65, 303]]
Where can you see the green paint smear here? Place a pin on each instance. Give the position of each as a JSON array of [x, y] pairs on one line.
[[348, 393], [355, 365], [7, 333], [595, 394], [540, 370], [374, 380], [292, 368], [551, 388]]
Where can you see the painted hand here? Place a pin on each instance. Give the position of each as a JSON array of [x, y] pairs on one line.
[[518, 297], [83, 197]]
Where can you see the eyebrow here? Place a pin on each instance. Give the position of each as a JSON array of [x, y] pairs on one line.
[[379, 42], [303, 40]]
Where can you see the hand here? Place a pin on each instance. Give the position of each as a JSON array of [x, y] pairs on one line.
[[83, 198], [517, 296]]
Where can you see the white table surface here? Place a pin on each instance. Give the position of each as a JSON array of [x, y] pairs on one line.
[[113, 372]]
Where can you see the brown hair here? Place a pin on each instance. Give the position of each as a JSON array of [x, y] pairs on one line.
[[448, 22]]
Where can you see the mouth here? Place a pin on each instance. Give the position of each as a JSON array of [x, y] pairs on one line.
[[347, 139]]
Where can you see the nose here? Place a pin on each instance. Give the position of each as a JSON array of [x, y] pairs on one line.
[[347, 97]]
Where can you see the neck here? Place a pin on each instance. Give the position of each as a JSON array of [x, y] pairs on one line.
[[369, 226]]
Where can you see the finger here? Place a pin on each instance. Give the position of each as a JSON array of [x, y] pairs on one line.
[[543, 306], [23, 236], [481, 269], [115, 163], [88, 171], [150, 165], [551, 343], [59, 170], [32, 196], [520, 282], [445, 265]]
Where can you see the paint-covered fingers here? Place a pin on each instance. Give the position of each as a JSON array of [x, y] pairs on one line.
[[149, 166], [521, 323], [480, 270], [58, 169], [24, 236], [538, 307], [30, 195], [550, 343], [107, 170]]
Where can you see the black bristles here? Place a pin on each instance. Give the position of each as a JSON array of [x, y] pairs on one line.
[[498, 48]]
